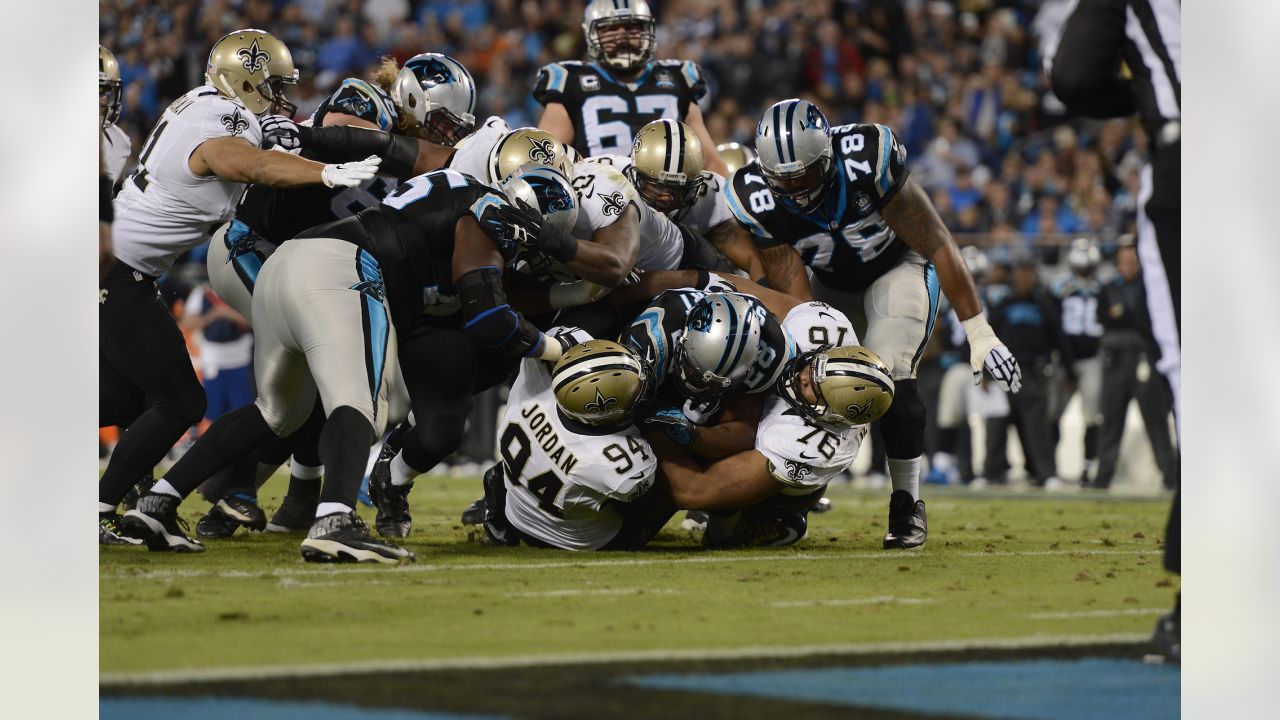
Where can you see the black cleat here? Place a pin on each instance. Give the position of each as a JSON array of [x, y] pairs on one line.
[[244, 509], [216, 525], [908, 527], [392, 501], [109, 532], [1167, 638], [295, 515], [474, 514], [140, 488], [343, 537], [780, 531], [156, 521], [821, 505]]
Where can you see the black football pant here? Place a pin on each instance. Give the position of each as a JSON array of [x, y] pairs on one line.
[[1029, 408], [1119, 386], [147, 384]]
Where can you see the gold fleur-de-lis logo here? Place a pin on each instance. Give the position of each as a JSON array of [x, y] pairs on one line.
[[543, 150], [254, 58], [601, 404], [858, 414]]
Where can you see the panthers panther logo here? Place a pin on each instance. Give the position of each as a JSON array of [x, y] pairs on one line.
[[254, 58], [235, 123], [613, 204], [813, 118], [601, 404], [859, 414], [433, 72], [542, 151]]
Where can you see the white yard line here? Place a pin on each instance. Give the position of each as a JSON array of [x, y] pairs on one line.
[[1096, 613], [591, 591], [877, 600], [172, 677], [707, 559]]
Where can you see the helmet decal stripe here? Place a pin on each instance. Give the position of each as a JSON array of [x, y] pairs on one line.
[[666, 129], [791, 135], [777, 130], [731, 335], [679, 153]]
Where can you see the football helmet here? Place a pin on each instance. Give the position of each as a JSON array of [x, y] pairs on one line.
[[110, 89], [977, 261], [600, 382], [1083, 257], [249, 65], [793, 141], [524, 146], [735, 155], [438, 94], [619, 32], [545, 191], [851, 386], [666, 165], [720, 344]]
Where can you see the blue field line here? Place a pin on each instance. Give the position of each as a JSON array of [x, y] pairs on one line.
[[1095, 688], [168, 708]]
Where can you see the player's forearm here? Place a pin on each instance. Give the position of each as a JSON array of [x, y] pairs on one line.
[[725, 439], [601, 264], [786, 273], [956, 282], [280, 169]]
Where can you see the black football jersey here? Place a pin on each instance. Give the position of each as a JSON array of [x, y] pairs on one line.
[[607, 112], [843, 239], [1078, 300], [654, 334], [277, 214], [412, 236]]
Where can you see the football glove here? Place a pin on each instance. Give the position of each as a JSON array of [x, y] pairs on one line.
[[280, 131], [579, 292], [350, 174], [987, 352], [673, 423]]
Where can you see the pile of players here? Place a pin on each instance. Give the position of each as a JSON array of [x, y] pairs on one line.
[[680, 339]]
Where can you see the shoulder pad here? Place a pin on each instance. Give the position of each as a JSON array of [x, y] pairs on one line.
[[739, 192]]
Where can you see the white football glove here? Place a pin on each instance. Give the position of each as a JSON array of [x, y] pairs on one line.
[[350, 174], [987, 352], [280, 131]]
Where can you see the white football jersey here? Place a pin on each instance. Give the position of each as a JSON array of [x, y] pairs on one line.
[[603, 193], [803, 457], [708, 211], [164, 209], [116, 147], [471, 154], [562, 485]]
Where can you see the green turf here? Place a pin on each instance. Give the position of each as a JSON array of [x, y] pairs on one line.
[[995, 567]]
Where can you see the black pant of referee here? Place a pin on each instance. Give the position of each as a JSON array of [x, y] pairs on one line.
[[147, 384]]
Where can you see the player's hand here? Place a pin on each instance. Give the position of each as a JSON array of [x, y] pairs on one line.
[[350, 174], [280, 131], [561, 247], [578, 292], [1003, 368], [673, 423]]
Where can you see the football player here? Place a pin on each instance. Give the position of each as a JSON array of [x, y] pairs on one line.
[[191, 172], [841, 202], [735, 155], [1078, 298], [809, 432], [329, 316], [116, 144], [598, 106]]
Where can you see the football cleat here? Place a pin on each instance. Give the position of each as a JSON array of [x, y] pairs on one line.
[[343, 537], [779, 531], [475, 512], [908, 527], [821, 505], [244, 509], [109, 532], [694, 521], [156, 521], [216, 525], [141, 487], [295, 515], [392, 501]]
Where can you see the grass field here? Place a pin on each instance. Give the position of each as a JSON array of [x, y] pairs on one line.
[[1000, 571]]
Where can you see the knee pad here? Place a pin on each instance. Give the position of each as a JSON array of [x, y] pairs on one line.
[[903, 424]]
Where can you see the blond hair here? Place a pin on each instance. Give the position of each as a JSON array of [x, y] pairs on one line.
[[384, 76]]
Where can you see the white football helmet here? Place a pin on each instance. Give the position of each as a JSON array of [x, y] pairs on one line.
[[439, 93], [793, 141]]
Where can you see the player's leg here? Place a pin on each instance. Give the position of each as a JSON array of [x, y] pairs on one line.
[[1153, 400], [1032, 405], [140, 340], [302, 450], [1118, 369], [952, 417], [1089, 376], [1159, 238], [901, 308]]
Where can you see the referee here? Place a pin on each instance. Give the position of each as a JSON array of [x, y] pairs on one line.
[[1114, 58]]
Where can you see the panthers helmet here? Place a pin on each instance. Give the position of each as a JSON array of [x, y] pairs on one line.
[[1083, 257], [666, 165], [110, 89], [850, 385], [439, 94], [240, 67], [628, 28], [793, 141], [735, 155], [600, 382], [524, 146], [720, 344], [545, 191]]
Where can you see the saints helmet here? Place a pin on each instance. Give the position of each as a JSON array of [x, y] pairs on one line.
[[793, 141], [439, 94], [735, 155], [110, 89], [851, 386], [600, 382], [666, 165], [1083, 257], [543, 191], [720, 344], [524, 146], [253, 67], [620, 51]]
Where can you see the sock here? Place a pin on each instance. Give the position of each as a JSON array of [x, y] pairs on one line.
[[305, 472], [329, 508], [905, 475], [163, 486], [106, 508], [401, 473]]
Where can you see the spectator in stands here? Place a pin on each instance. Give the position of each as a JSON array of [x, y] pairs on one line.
[[225, 344]]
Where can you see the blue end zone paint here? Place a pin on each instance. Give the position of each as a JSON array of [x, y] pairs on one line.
[[167, 708], [1095, 688]]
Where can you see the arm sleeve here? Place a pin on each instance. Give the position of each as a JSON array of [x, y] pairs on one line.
[[549, 87], [692, 75], [344, 143]]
